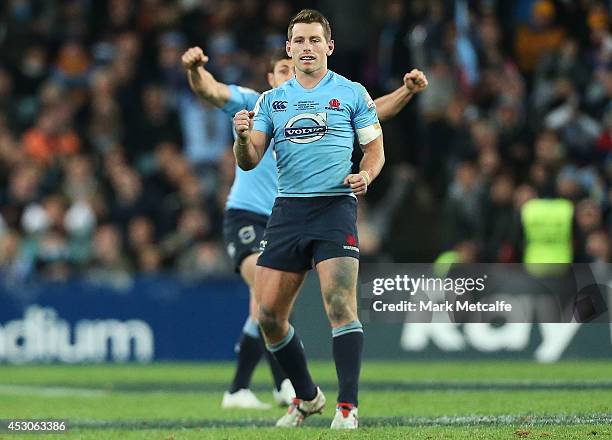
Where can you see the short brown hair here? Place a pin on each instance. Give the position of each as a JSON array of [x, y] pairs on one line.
[[310, 16], [276, 56]]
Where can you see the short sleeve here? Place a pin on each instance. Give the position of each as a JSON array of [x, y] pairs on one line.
[[241, 98], [365, 108], [262, 120]]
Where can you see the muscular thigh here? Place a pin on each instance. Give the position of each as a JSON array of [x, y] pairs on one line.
[[338, 278], [247, 269], [276, 290]]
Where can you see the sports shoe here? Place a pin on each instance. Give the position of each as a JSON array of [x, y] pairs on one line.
[[346, 417], [300, 409], [285, 395], [244, 399]]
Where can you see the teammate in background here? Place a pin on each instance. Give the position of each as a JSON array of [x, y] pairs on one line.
[[250, 204], [313, 119], [248, 207]]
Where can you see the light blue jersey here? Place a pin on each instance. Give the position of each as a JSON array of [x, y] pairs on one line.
[[253, 190], [313, 132]]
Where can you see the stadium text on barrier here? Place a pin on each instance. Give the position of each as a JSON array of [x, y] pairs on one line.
[[42, 336]]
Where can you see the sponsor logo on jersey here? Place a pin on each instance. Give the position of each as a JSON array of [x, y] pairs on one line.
[[306, 128], [368, 99], [279, 106]]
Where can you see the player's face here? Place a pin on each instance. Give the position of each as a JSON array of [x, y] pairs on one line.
[[308, 47], [283, 72]]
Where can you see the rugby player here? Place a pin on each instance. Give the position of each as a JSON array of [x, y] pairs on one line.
[[313, 119], [250, 203], [247, 209]]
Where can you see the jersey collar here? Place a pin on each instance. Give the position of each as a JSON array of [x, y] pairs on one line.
[[325, 79]]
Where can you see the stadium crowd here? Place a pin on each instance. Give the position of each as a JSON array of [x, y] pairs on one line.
[[109, 165]]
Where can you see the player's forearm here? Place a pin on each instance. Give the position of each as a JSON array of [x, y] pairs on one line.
[[246, 154], [373, 159], [389, 105], [206, 87]]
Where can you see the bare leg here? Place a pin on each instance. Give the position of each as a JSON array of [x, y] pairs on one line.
[[276, 292], [251, 345], [247, 270], [338, 278]]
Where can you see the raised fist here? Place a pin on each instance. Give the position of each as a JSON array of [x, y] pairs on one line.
[[193, 58], [415, 81]]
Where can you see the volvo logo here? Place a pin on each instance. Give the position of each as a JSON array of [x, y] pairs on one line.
[[306, 128]]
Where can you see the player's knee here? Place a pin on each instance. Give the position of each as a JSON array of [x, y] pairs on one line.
[[339, 307], [269, 323]]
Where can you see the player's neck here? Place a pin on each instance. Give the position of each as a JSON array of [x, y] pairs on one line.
[[310, 80]]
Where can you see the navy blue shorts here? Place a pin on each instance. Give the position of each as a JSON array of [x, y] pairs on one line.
[[242, 233], [306, 230]]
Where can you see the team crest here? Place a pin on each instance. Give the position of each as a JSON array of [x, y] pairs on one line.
[[247, 234], [333, 104]]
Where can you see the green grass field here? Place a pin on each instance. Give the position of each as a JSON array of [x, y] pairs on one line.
[[416, 400]]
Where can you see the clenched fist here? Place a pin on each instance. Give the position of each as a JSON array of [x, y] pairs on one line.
[[358, 182], [243, 123], [193, 58], [415, 81]]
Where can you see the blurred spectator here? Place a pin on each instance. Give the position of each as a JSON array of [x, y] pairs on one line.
[[53, 255], [8, 110], [31, 71], [374, 222], [23, 188], [203, 259], [149, 260], [129, 198], [462, 208], [140, 237], [9, 250], [109, 264], [604, 142], [539, 36], [193, 225], [599, 94], [565, 62], [498, 221], [52, 138], [80, 182], [105, 118], [72, 65], [598, 247], [588, 221], [441, 90], [158, 122]]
